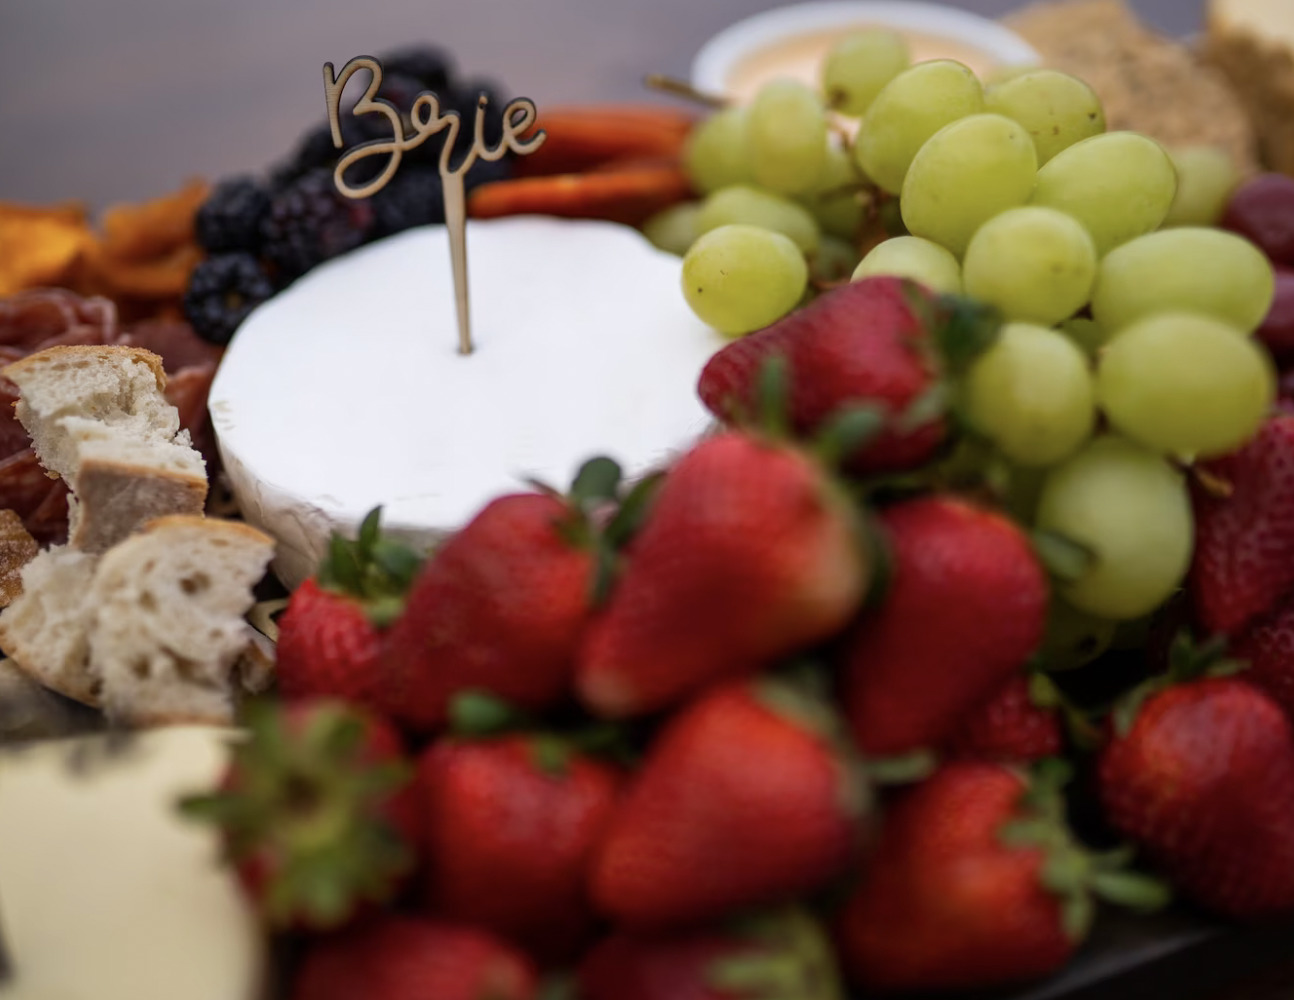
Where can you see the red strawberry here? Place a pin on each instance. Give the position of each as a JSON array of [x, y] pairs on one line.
[[750, 553], [1204, 781], [781, 955], [511, 825], [743, 800], [314, 812], [1244, 530], [402, 958], [953, 896], [1011, 725], [499, 608], [1268, 647], [866, 342], [329, 636], [966, 607]]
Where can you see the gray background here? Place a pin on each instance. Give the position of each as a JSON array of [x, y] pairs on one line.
[[109, 99]]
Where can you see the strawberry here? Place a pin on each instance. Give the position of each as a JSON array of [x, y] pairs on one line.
[[314, 812], [403, 958], [501, 606], [778, 956], [744, 799], [1244, 530], [511, 825], [329, 636], [1013, 724], [974, 883], [1268, 648], [966, 607], [1203, 779], [869, 341], [751, 552]]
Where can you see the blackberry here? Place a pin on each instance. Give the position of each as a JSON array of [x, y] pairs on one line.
[[222, 291], [310, 221], [230, 219], [430, 66], [314, 150], [414, 197]]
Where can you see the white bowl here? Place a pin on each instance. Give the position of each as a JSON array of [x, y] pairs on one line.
[[790, 41]]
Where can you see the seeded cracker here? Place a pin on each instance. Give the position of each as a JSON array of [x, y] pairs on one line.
[[1147, 83]]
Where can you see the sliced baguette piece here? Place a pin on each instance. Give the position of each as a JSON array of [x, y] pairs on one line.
[[98, 418], [44, 629], [168, 628]]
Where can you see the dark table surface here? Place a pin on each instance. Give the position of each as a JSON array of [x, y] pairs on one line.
[[118, 99], [121, 99]]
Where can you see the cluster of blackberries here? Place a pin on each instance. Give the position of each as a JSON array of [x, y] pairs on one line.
[[262, 235]]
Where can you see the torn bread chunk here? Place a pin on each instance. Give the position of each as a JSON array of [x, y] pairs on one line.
[[45, 629], [98, 417], [17, 549], [168, 629]]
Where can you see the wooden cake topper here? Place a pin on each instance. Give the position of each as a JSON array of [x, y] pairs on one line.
[[427, 119]]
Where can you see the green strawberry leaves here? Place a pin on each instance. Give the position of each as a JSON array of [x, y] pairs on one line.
[[1077, 876], [304, 806], [372, 569]]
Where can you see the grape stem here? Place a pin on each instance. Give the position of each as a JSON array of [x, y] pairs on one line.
[[681, 88]]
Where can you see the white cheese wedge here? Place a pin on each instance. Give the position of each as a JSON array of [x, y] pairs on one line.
[[347, 390], [106, 893]]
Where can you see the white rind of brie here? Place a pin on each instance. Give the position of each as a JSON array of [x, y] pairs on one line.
[[106, 892], [347, 391]]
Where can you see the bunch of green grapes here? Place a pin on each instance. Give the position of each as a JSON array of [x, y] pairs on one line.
[[1126, 350]]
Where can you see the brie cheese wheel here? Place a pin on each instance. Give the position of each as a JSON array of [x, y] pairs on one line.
[[106, 892], [347, 391]]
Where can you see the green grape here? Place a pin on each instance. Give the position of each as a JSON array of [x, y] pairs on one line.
[[1055, 108], [1118, 185], [745, 205], [675, 228], [1031, 394], [1074, 638], [788, 137], [964, 175], [1131, 510], [1206, 176], [839, 202], [1001, 74], [717, 153], [1086, 333], [1185, 383], [859, 65], [1035, 264], [1193, 269], [742, 278], [835, 260], [915, 258], [909, 110]]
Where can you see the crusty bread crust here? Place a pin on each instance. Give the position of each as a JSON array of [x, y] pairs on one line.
[[51, 357], [118, 500]]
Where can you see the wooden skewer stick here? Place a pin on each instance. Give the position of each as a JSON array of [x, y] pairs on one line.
[[681, 88]]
